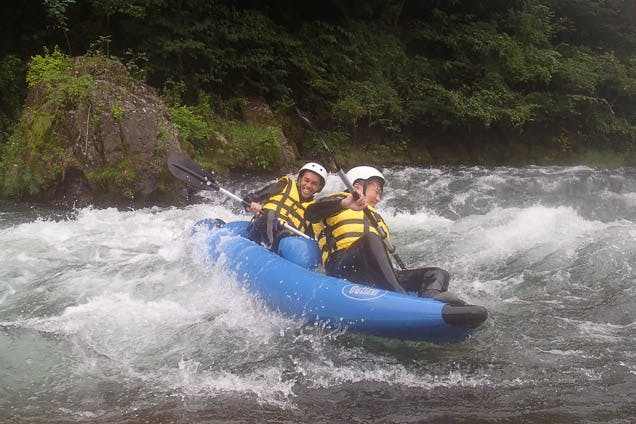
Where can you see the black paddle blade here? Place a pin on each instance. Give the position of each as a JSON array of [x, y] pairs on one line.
[[191, 172]]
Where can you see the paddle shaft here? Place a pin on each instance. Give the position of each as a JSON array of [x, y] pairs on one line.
[[234, 196], [338, 169], [192, 173]]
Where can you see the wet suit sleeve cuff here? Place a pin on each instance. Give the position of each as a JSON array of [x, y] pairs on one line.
[[264, 193]]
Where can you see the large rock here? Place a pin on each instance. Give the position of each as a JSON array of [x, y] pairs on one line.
[[115, 140]]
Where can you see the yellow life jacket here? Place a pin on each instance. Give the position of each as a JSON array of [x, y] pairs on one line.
[[288, 205], [339, 231]]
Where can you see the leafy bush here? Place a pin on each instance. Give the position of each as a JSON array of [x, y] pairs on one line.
[[192, 127], [248, 146], [52, 70], [47, 68], [471, 68], [32, 158], [254, 147], [376, 103], [12, 87]]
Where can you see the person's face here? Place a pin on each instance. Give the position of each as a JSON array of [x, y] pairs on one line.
[[373, 192], [309, 184]]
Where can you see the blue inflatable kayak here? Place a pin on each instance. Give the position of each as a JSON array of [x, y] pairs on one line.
[[289, 284]]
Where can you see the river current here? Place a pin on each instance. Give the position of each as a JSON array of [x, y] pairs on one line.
[[115, 316]]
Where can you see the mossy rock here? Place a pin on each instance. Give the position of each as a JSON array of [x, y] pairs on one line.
[[91, 134]]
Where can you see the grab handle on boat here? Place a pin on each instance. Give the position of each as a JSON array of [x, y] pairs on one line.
[[192, 173]]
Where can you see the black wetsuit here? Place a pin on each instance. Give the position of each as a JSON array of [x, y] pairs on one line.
[[265, 228], [366, 261]]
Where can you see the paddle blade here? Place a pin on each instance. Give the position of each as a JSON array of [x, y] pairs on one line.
[[191, 172]]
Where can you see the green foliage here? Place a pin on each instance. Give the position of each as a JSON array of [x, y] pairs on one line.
[[247, 146], [132, 8], [255, 148], [164, 137], [599, 25], [48, 67], [53, 71], [12, 87], [393, 67], [114, 177], [72, 89], [604, 158], [32, 159], [475, 76], [578, 72], [337, 141], [136, 63], [192, 126], [215, 47], [118, 112], [378, 104], [172, 92], [56, 9]]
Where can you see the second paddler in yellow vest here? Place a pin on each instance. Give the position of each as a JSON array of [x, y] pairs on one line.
[[284, 201], [352, 247]]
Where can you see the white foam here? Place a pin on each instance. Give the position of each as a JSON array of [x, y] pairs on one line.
[[133, 297], [265, 384]]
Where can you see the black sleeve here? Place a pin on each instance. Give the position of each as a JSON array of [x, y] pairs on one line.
[[264, 193], [323, 208]]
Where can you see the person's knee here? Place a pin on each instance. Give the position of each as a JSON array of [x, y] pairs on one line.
[[438, 282], [439, 278]]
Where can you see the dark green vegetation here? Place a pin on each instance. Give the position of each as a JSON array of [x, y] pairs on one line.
[[445, 82]]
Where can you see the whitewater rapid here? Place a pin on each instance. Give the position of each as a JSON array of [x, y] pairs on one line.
[[109, 314]]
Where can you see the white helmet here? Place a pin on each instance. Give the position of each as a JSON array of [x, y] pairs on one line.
[[315, 168], [364, 173]]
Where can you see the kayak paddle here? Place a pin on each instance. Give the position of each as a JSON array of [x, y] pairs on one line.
[[192, 173], [338, 170]]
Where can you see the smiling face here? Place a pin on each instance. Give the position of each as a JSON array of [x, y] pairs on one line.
[[309, 184]]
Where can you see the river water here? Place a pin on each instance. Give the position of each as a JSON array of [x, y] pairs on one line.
[[114, 316]]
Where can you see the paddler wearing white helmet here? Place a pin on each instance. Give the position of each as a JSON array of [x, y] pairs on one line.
[[352, 246], [284, 201]]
